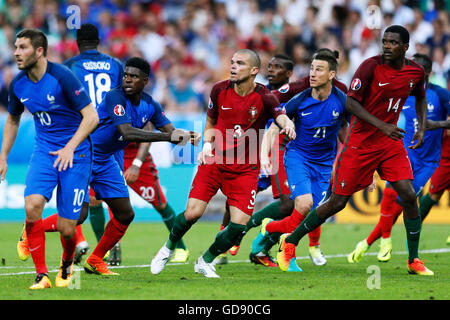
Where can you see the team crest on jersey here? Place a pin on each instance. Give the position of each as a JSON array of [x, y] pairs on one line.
[[253, 113], [119, 110], [356, 84], [284, 88]]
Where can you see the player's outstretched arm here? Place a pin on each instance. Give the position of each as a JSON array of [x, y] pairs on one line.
[[287, 126], [9, 137], [132, 173], [179, 135], [390, 130], [433, 125], [88, 124]]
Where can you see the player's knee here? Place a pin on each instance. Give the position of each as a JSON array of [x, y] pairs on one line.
[[33, 210], [126, 218], [303, 206], [408, 197], [286, 208], [193, 212], [67, 232]]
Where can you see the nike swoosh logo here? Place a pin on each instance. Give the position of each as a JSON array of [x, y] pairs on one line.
[[250, 207], [31, 250], [223, 108], [382, 84], [305, 114], [411, 232], [23, 100], [76, 210]]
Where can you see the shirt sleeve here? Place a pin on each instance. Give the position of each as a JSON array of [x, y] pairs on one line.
[[361, 80], [15, 107], [159, 118], [73, 90], [419, 90], [115, 107], [272, 106], [213, 109]]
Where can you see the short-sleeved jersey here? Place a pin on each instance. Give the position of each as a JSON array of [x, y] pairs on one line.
[[117, 109], [430, 151], [382, 91], [317, 124], [240, 122], [55, 102], [98, 72]]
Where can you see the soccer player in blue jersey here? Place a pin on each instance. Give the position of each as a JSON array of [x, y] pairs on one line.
[[424, 162], [123, 113], [99, 73], [64, 117], [319, 113]]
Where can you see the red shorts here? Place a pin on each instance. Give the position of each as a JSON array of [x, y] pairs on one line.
[[147, 185], [440, 180], [239, 187], [356, 166], [279, 180]]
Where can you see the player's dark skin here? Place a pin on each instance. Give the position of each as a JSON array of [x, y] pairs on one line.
[[134, 82], [394, 53]]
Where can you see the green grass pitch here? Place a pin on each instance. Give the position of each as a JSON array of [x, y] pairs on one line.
[[240, 280]]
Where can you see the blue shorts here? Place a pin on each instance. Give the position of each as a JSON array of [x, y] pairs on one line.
[[72, 184], [306, 177], [422, 173], [107, 179]]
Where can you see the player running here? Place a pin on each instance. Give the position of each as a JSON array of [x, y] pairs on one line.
[[377, 94], [238, 110], [424, 162], [64, 117]]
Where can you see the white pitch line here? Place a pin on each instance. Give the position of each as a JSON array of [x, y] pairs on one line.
[[341, 255]]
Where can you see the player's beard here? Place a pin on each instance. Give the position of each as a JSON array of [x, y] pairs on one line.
[[239, 81], [30, 63]]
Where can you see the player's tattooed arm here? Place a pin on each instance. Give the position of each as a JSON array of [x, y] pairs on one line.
[[9, 137], [269, 137], [391, 130]]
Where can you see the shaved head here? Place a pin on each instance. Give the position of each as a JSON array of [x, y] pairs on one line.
[[254, 57]]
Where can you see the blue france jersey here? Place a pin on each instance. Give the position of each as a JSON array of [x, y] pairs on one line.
[[116, 109], [431, 149], [317, 124], [98, 72], [55, 102]]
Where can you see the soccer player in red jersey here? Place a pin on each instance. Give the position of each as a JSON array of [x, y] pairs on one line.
[[378, 91], [237, 113]]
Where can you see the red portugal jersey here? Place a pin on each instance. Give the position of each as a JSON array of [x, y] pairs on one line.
[[240, 122], [382, 91]]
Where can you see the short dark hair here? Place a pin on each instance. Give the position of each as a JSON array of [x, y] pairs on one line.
[[424, 61], [254, 57], [87, 32], [331, 59], [139, 63], [37, 38], [324, 51], [401, 31], [288, 63]]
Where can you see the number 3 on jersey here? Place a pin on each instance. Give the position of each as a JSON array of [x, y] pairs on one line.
[[97, 86], [395, 106]]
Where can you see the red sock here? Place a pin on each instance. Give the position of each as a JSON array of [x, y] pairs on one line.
[[390, 209], [286, 225], [50, 223], [314, 237], [114, 231], [68, 247], [79, 236], [375, 234], [110, 213], [36, 241]]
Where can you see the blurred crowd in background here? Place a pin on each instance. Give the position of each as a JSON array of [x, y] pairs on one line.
[[189, 44]]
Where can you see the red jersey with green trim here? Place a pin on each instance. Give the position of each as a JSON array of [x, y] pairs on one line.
[[240, 122], [382, 91]]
